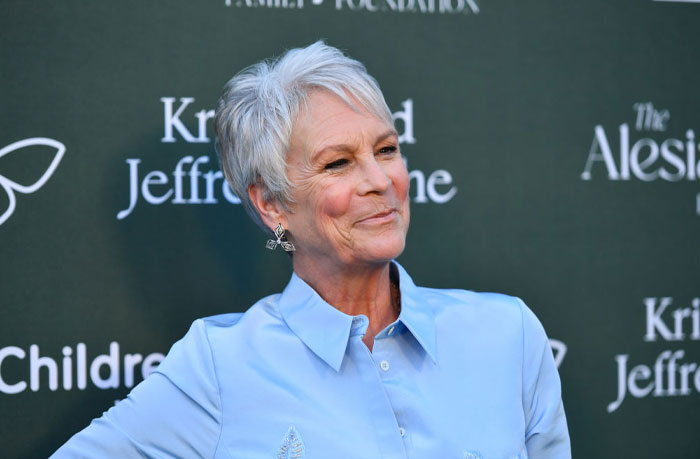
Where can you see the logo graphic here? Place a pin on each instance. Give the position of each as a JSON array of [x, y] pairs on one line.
[[10, 186], [292, 446], [74, 369], [371, 6], [669, 375], [647, 150], [559, 351]]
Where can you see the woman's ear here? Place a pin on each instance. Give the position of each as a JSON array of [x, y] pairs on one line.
[[271, 212]]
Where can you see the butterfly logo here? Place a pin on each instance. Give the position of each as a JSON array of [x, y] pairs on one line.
[[10, 186]]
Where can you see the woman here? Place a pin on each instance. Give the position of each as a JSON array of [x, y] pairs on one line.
[[352, 360]]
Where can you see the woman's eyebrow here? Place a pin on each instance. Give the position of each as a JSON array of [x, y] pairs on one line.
[[344, 147], [389, 133]]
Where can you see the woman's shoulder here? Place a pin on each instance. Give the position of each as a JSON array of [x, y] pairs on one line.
[[264, 311], [462, 303], [500, 310], [193, 362], [471, 302]]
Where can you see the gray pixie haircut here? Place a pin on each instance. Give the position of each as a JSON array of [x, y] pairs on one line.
[[255, 114]]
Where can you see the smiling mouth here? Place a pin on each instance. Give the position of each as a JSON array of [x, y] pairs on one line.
[[380, 217]]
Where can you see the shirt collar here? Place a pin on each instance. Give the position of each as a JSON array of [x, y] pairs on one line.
[[416, 314], [326, 330]]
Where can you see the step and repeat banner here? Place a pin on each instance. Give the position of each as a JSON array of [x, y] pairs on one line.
[[553, 150]]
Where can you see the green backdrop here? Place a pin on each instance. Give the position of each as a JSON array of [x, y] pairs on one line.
[[553, 151]]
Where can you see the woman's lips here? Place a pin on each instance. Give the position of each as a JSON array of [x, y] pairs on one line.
[[380, 217]]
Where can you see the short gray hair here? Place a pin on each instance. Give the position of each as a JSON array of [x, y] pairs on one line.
[[255, 114]]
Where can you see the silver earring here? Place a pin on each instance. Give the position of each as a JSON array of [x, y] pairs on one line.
[[279, 233]]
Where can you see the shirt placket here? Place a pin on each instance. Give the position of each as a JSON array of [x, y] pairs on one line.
[[375, 370], [389, 364]]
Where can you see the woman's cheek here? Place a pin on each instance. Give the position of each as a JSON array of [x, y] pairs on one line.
[[335, 200], [401, 182]]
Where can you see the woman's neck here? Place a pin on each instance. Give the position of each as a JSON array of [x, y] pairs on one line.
[[355, 291]]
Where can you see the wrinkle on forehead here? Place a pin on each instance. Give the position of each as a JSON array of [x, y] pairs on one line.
[[308, 109]]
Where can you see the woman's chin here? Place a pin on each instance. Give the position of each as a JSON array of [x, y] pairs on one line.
[[382, 251]]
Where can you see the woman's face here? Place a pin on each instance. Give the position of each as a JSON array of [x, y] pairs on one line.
[[350, 186]]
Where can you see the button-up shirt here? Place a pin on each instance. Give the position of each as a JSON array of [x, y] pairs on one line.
[[458, 375]]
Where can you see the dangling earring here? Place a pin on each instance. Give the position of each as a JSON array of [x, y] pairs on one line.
[[279, 233]]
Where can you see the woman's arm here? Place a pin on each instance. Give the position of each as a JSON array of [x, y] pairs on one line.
[[547, 435], [175, 412]]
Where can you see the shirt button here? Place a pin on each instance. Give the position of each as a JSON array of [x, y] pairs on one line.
[[391, 330], [384, 365], [402, 431]]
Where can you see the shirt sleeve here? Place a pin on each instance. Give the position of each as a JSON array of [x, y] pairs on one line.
[[546, 435], [175, 412]]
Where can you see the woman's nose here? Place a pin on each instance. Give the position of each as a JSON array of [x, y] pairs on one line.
[[375, 178]]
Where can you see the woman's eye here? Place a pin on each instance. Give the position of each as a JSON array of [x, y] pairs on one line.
[[337, 164]]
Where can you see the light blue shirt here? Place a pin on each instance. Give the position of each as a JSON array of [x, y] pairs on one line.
[[458, 375]]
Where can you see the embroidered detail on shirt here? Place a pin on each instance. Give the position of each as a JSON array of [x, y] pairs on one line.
[[521, 455], [477, 455], [292, 447]]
